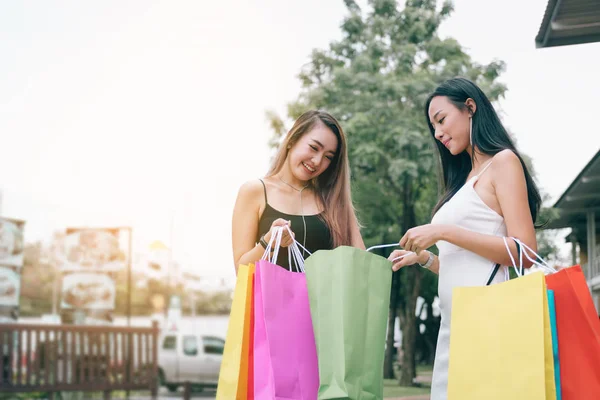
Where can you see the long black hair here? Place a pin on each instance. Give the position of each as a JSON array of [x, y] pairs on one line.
[[488, 136]]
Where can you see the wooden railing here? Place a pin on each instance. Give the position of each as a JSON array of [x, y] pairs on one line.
[[56, 358]]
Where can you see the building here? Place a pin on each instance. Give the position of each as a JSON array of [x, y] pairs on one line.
[[579, 209], [571, 22], [568, 22]]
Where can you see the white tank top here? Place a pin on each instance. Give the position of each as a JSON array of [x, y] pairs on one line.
[[460, 267]]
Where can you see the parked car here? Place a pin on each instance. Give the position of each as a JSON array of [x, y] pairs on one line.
[[189, 357]]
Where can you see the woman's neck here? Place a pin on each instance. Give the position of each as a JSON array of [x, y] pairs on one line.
[[286, 176], [478, 159]]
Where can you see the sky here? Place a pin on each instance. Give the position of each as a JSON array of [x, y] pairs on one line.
[[151, 114]]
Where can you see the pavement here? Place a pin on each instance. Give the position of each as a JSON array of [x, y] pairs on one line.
[[165, 395]]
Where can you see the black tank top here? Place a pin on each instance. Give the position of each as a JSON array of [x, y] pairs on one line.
[[318, 235]]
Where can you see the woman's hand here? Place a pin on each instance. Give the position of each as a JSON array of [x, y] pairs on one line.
[[402, 258], [286, 239], [422, 237]]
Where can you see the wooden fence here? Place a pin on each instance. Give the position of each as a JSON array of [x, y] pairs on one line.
[[56, 358]]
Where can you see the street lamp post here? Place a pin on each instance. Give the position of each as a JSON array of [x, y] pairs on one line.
[[130, 231]]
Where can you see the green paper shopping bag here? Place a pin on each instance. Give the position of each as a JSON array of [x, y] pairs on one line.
[[349, 293]]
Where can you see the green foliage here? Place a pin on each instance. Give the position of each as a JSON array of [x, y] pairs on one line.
[[375, 80]]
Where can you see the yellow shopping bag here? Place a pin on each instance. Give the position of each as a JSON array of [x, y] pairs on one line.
[[501, 342], [233, 376]]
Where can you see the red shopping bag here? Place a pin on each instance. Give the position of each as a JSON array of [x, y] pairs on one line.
[[578, 329]]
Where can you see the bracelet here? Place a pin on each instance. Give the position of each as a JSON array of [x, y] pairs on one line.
[[429, 260], [262, 242]]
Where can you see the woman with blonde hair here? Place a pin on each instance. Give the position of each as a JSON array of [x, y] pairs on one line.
[[307, 188]]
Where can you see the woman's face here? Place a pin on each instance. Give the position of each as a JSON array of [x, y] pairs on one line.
[[451, 124], [313, 153]]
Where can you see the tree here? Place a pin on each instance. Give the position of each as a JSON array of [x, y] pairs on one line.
[[546, 239], [375, 81]]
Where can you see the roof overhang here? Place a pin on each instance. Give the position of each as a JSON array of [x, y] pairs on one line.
[[568, 22], [580, 198]]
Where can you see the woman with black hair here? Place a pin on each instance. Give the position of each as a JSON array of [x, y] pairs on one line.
[[487, 194]]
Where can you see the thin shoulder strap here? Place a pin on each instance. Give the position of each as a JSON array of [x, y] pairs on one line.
[[484, 168], [265, 189]]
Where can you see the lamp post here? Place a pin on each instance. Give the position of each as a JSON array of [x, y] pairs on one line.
[[130, 234]]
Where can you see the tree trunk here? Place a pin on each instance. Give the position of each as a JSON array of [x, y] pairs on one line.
[[388, 364], [409, 329], [431, 329], [411, 289]]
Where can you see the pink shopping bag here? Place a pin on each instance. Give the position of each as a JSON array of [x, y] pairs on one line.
[[285, 355]]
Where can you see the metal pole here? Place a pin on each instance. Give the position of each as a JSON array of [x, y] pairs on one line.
[[592, 256], [55, 291], [171, 229], [129, 337], [591, 233], [169, 262], [155, 383], [193, 298], [130, 231]]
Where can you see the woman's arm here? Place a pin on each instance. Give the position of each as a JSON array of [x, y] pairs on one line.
[[508, 180], [245, 225], [357, 240], [411, 258]]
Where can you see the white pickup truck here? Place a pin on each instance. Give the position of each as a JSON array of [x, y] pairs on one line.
[[189, 357]]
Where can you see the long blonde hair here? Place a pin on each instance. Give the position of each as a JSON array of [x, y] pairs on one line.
[[332, 187]]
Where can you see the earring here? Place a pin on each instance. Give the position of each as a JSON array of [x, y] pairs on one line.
[[471, 130]]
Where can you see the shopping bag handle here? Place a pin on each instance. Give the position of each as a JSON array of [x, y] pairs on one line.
[[382, 246], [538, 261], [294, 254], [496, 267], [520, 271], [275, 240], [297, 243], [522, 250]]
